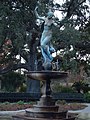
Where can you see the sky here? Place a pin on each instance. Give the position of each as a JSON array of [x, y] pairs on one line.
[[59, 13]]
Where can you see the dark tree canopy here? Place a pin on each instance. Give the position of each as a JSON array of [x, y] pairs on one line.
[[18, 31], [17, 21]]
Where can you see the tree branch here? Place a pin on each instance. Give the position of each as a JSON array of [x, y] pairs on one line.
[[13, 67], [77, 6], [73, 9]]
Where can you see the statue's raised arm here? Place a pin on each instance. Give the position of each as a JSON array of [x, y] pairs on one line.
[[37, 15]]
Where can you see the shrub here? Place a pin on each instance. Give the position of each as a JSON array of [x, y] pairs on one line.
[[64, 89], [81, 86], [63, 102], [6, 103], [11, 81], [87, 97], [20, 102]]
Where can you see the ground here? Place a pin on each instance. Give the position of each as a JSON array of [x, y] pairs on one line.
[[20, 105]]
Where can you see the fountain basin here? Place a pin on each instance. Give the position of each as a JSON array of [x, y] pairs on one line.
[[45, 75]]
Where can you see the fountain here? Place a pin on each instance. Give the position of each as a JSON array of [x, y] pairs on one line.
[[45, 109]]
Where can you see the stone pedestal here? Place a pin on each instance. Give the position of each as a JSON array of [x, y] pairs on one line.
[[45, 109]]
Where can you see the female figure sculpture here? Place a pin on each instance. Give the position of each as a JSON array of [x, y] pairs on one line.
[[45, 41]]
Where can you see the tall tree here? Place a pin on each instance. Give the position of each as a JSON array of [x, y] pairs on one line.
[[17, 31]]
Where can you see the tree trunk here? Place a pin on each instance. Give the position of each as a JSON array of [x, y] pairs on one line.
[[33, 86]]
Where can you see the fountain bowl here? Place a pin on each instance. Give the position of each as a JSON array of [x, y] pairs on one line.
[[46, 75]]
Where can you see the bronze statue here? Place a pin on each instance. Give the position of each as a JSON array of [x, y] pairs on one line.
[[45, 41]]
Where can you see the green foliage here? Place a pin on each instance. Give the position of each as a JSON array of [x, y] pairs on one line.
[[20, 102], [87, 97], [67, 89], [70, 35], [69, 63], [62, 102], [81, 86], [6, 103], [64, 89], [79, 83], [11, 81], [16, 19], [67, 39], [22, 88]]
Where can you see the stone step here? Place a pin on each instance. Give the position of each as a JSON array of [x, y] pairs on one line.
[[45, 108], [23, 117], [45, 114]]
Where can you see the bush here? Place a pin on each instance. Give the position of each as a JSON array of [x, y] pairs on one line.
[[64, 89], [22, 88], [81, 86], [62, 102], [67, 89], [20, 102], [11, 81], [87, 97]]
